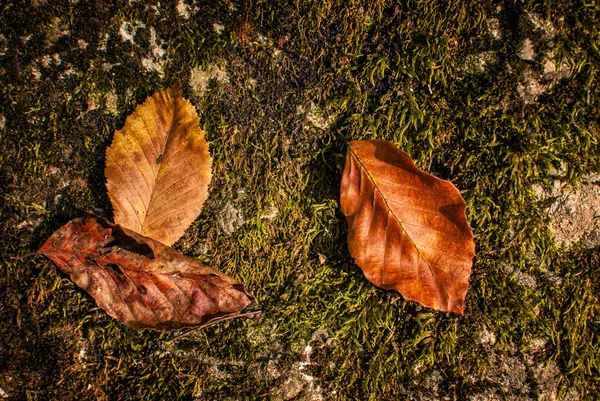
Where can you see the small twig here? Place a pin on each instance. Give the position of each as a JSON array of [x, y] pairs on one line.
[[255, 315], [27, 255]]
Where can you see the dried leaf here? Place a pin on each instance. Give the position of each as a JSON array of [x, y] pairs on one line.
[[158, 168], [139, 281], [407, 229]]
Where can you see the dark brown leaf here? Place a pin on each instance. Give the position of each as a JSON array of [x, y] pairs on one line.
[[139, 281], [407, 229]]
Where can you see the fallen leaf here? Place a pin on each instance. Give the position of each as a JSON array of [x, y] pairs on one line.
[[139, 281], [407, 229], [158, 168]]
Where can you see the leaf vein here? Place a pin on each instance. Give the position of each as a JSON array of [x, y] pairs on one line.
[[136, 191], [162, 216], [172, 200], [458, 257]]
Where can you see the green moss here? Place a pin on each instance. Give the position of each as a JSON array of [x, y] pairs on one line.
[[428, 75]]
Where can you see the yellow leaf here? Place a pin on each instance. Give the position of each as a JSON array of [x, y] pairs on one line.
[[158, 168]]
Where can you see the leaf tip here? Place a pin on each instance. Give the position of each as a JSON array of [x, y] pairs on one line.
[[176, 89]]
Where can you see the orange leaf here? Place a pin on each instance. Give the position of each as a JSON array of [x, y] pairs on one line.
[[158, 168], [407, 229], [139, 281]]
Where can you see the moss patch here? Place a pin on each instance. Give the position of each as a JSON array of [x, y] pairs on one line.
[[280, 88]]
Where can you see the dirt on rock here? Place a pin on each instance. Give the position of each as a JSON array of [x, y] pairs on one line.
[[574, 211]]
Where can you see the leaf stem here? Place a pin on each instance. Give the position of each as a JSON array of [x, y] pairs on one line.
[[256, 315]]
